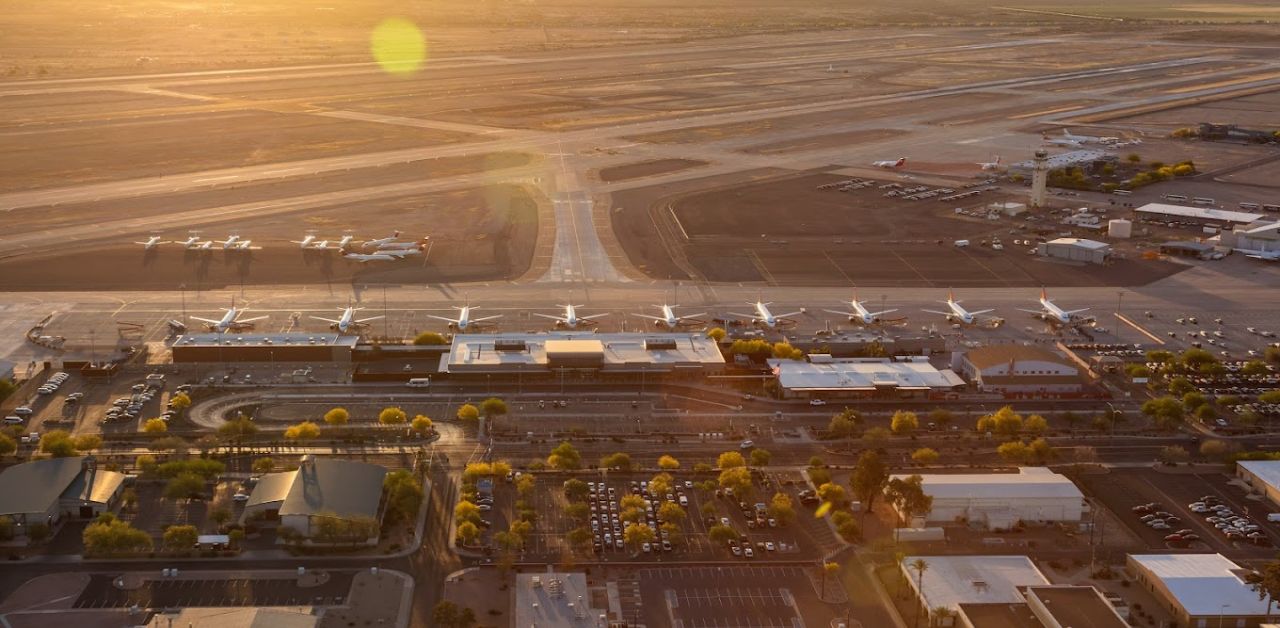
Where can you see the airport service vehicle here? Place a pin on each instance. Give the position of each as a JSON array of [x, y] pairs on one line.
[[570, 318], [890, 164], [957, 313], [764, 317], [860, 313], [669, 318], [348, 320], [464, 319], [230, 321], [1050, 312]]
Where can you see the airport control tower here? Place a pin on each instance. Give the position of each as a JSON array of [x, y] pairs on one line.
[[1040, 179]]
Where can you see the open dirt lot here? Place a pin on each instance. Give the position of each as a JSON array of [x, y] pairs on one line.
[[1259, 111], [476, 234]]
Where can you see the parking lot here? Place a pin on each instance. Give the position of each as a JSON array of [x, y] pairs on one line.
[[101, 592], [724, 597], [1122, 490]]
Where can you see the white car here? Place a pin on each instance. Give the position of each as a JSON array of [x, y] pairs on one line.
[[749, 553], [770, 546], [817, 402], [646, 548], [484, 507]]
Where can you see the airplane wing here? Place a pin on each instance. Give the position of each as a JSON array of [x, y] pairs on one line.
[[593, 316], [884, 312], [365, 320], [442, 318], [941, 313], [787, 315], [982, 312], [549, 316], [485, 318], [652, 318], [1076, 311], [1024, 310], [688, 316], [206, 320], [250, 320], [327, 320]]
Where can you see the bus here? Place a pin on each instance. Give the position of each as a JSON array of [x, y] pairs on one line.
[[1121, 192], [1250, 206], [1272, 208]]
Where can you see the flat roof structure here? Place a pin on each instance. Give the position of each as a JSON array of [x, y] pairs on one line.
[[1064, 160], [999, 355], [954, 580], [1000, 616], [1198, 213], [554, 600], [1203, 584], [1074, 606], [551, 351], [863, 374], [1092, 245], [238, 617], [286, 339], [1033, 482], [1267, 471]]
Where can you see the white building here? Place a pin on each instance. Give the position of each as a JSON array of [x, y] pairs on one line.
[[623, 354], [949, 581], [556, 600], [1262, 476], [1199, 590], [1199, 215], [1019, 370], [1260, 237], [1000, 500], [827, 377], [1076, 249]]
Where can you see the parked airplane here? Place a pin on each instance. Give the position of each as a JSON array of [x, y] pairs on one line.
[[367, 257], [306, 241], [401, 253], [890, 164], [345, 241], [244, 245], [860, 313], [764, 317], [1048, 311], [464, 319], [956, 313], [348, 320], [1062, 141], [669, 318], [990, 165], [570, 318], [231, 241], [192, 241], [151, 242], [381, 241], [230, 321], [404, 245]]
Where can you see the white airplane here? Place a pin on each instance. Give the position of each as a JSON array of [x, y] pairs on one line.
[[990, 165], [348, 320], [151, 242], [321, 245], [764, 317], [306, 241], [367, 257], [1049, 311], [404, 245], [345, 241], [231, 241], [1062, 141], [570, 318], [464, 319], [890, 164], [244, 245], [230, 321], [401, 253], [860, 313], [192, 241], [207, 245], [669, 318], [381, 241], [958, 314]]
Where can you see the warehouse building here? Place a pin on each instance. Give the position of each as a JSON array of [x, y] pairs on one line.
[[1255, 237], [1076, 250], [823, 376], [1162, 212], [47, 491], [999, 501], [625, 355], [1263, 476], [1199, 589], [282, 347], [1019, 371], [951, 581], [321, 488]]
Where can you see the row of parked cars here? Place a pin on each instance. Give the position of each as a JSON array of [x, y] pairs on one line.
[[1233, 526]]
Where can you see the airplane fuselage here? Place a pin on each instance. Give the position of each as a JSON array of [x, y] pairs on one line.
[[765, 316]]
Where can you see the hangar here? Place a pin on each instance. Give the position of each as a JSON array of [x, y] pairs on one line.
[[1076, 249], [1261, 236], [1198, 215], [1198, 589], [1024, 370], [1001, 500], [1263, 476]]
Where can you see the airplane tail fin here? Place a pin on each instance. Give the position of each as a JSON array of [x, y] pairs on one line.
[[1044, 294], [902, 161]]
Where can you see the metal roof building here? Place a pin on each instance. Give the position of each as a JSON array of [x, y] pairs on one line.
[[1197, 588], [1262, 476], [1001, 500], [319, 487], [1076, 249], [950, 581], [280, 347], [44, 491], [1196, 214], [547, 353], [823, 376]]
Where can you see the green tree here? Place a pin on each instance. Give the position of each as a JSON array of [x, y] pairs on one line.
[[429, 338], [1254, 367], [145, 463], [155, 426], [717, 334], [392, 416], [1036, 424], [579, 537], [180, 401], [833, 494], [87, 442], [1014, 451], [577, 511], [760, 457], [908, 496], [1004, 422], [721, 534], [671, 512], [942, 417], [185, 486], [468, 413], [58, 443], [7, 445], [1215, 449], [305, 430], [467, 533], [619, 460], [575, 489], [668, 463], [404, 495], [846, 526], [180, 537], [421, 425], [493, 407], [782, 509], [920, 566], [660, 485], [220, 516], [870, 475], [924, 455], [238, 429], [1193, 400], [729, 460], [904, 423], [1166, 412], [565, 457], [466, 511], [1266, 583], [1173, 454], [525, 484], [108, 535], [1271, 396], [738, 479], [876, 437], [844, 423], [337, 417], [637, 534]]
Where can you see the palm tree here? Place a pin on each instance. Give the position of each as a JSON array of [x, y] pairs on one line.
[[920, 566]]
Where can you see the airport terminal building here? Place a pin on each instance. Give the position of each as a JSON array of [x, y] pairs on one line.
[[624, 355], [281, 347]]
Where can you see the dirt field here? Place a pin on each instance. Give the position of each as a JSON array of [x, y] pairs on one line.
[[647, 169], [1016, 112], [736, 233], [104, 150], [829, 140], [476, 235], [1259, 111]]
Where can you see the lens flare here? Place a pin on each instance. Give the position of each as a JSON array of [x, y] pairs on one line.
[[398, 46]]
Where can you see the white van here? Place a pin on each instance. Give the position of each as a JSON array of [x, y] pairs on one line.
[[1274, 517], [13, 420], [419, 382], [962, 243]]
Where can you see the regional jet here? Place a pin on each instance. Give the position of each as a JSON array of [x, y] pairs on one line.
[[570, 318], [670, 319], [764, 317], [192, 242], [990, 165], [151, 242], [958, 314], [890, 164], [230, 321], [464, 319], [381, 241], [401, 253], [348, 320], [1050, 312], [860, 313]]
